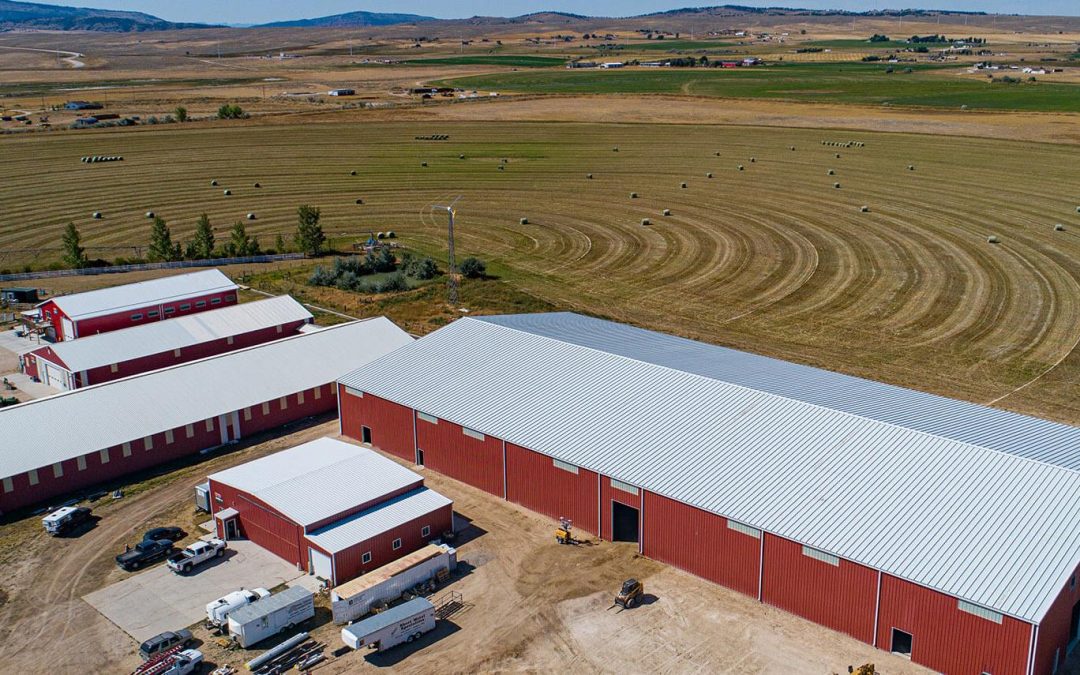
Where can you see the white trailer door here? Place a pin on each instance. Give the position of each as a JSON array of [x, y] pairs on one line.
[[55, 376], [321, 565]]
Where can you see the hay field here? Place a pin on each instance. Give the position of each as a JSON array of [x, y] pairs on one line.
[[772, 258]]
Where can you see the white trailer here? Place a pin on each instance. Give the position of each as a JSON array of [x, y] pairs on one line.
[[354, 599], [217, 612], [269, 616], [404, 623]]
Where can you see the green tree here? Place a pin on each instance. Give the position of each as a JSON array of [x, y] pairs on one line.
[[161, 243], [473, 268], [231, 111], [202, 245], [279, 243], [240, 244], [180, 113], [74, 253], [309, 233]]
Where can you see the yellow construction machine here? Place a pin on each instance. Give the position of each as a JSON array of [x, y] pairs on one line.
[[564, 532], [629, 595]]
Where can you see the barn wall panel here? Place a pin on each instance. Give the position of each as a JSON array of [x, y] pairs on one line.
[[111, 322], [449, 451], [348, 562], [1055, 627], [533, 481], [841, 597], [260, 523], [391, 424], [293, 411], [700, 543], [948, 639]]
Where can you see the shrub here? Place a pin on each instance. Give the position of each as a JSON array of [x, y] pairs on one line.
[[392, 283], [231, 111], [473, 268], [321, 276], [418, 268]]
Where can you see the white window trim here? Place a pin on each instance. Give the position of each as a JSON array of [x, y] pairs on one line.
[[425, 531], [625, 487], [354, 392], [168, 437], [58, 470], [189, 430], [318, 393], [817, 554], [365, 558], [80, 462], [300, 398], [978, 610], [472, 433], [396, 544], [210, 424], [564, 466], [105, 456], [745, 529], [126, 449], [8, 486], [266, 408], [32, 475], [247, 414], [431, 419]]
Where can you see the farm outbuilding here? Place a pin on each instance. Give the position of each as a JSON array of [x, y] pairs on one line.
[[921, 525], [68, 317], [18, 295], [370, 510], [81, 438], [130, 351]]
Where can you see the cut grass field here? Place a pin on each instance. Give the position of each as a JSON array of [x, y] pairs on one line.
[[859, 83], [772, 258], [516, 61]]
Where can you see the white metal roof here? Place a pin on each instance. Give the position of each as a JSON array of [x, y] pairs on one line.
[[142, 294], [39, 433], [318, 480], [164, 336], [378, 519], [985, 525], [268, 605]]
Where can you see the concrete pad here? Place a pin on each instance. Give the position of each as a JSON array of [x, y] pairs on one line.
[[157, 600], [32, 389], [19, 345]]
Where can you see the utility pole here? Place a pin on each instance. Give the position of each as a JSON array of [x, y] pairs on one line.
[[451, 272]]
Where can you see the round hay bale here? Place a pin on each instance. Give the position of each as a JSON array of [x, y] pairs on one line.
[[1078, 209], [792, 148], [523, 221], [646, 221], [682, 185], [993, 239], [831, 172], [836, 185], [381, 235], [359, 201], [910, 167], [740, 167], [667, 212], [461, 156], [213, 183], [226, 192], [864, 209], [251, 216], [615, 149], [753, 159], [838, 155], [717, 154], [1059, 228], [258, 185], [97, 215], [502, 168], [589, 176], [964, 107], [391, 235], [423, 163], [149, 214], [708, 175], [633, 195], [505, 160], [352, 173]]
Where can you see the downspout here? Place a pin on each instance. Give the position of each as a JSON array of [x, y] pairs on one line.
[[415, 444], [761, 565], [877, 608]]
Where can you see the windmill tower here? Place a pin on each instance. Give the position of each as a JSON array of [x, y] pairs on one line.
[[451, 263]]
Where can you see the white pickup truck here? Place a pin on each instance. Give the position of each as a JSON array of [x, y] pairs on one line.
[[196, 554]]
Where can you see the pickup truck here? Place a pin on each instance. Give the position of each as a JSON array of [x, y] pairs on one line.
[[144, 553], [196, 554], [185, 663]]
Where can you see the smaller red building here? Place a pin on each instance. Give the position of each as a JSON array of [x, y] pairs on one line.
[[369, 509], [68, 317], [122, 353]]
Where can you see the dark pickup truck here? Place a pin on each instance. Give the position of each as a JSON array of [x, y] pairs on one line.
[[144, 553]]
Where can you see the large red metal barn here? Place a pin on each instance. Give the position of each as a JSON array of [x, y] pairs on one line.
[[925, 526]]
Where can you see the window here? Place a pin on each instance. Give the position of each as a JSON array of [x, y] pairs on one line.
[[8, 487], [200, 304], [564, 466], [170, 310], [300, 398], [901, 643], [820, 555], [176, 353], [365, 435], [318, 393], [32, 475], [427, 418], [425, 531], [745, 529], [185, 307], [215, 301], [189, 430], [136, 317], [284, 402], [396, 544], [168, 437], [80, 462], [210, 424], [625, 487], [114, 368], [354, 392], [148, 443], [280, 329], [229, 340], [152, 314], [266, 408], [230, 298], [471, 433], [105, 456], [247, 414], [366, 558], [979, 611], [58, 470], [127, 449]]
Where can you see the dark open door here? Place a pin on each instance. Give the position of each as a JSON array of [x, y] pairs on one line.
[[624, 522]]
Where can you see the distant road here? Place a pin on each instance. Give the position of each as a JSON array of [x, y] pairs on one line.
[[72, 58]]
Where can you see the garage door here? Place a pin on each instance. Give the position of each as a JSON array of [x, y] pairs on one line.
[[321, 565], [54, 375]]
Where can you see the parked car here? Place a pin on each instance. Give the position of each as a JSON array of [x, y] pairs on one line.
[[162, 642], [65, 519], [170, 533], [196, 554], [144, 553]]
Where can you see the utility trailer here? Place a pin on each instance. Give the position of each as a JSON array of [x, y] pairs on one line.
[[202, 497], [355, 598], [269, 616], [404, 623]]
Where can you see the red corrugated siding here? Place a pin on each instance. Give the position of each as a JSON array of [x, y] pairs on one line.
[[448, 450], [1054, 628], [293, 411], [347, 563], [534, 482], [947, 639], [840, 597], [261, 523], [391, 424], [700, 543], [111, 322], [609, 494]]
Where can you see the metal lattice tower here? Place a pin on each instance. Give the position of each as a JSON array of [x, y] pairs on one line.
[[452, 277]]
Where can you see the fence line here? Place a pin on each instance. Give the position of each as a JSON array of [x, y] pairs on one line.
[[178, 264]]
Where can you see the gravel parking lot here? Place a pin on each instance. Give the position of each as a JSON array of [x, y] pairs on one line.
[[157, 600]]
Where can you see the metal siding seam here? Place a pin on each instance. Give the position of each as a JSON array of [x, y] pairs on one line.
[[340, 423], [877, 608], [1031, 651], [761, 565], [415, 444], [641, 524], [504, 467], [599, 507]]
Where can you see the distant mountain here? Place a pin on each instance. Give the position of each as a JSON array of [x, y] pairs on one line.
[[31, 15], [350, 20]]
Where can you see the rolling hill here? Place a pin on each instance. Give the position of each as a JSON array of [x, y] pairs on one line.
[[31, 15], [350, 20]]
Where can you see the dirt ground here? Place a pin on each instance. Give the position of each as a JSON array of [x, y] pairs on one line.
[[530, 604]]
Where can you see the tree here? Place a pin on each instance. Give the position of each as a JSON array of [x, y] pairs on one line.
[[74, 253], [279, 243], [473, 268], [161, 243], [240, 244], [180, 113], [231, 111], [309, 234], [202, 245]]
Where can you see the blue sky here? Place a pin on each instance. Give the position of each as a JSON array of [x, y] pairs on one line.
[[261, 11]]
